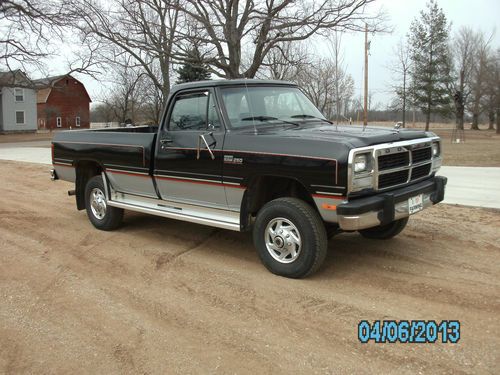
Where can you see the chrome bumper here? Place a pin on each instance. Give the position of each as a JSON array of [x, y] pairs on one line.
[[384, 208]]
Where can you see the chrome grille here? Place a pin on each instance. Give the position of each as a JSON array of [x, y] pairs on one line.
[[401, 165], [420, 171], [391, 179], [421, 154], [390, 161]]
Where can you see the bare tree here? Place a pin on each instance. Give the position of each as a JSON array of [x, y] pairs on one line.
[[285, 61], [491, 102], [229, 27], [125, 97], [479, 78], [321, 80], [340, 76], [464, 49], [401, 70], [26, 29], [145, 30]]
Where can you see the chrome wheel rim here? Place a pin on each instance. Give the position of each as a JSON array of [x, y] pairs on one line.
[[283, 241], [98, 203]]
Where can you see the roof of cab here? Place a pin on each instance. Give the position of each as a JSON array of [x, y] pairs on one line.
[[228, 82]]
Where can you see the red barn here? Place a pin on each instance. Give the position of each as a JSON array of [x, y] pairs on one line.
[[62, 103]]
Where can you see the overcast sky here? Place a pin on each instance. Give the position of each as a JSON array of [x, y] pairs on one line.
[[478, 14]]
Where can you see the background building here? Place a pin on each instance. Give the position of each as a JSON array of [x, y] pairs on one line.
[[62, 103], [17, 102]]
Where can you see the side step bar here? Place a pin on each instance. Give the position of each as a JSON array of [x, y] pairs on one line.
[[177, 215]]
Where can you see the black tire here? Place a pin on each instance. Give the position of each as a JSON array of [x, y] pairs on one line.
[[108, 218], [385, 232], [306, 221]]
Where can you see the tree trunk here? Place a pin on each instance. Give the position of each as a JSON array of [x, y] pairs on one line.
[[404, 99], [460, 104], [498, 120], [475, 121], [428, 116], [491, 118]]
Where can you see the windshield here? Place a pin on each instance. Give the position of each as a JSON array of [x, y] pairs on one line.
[[264, 105]]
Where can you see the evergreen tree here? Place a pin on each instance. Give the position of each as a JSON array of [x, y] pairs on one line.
[[194, 69], [431, 65]]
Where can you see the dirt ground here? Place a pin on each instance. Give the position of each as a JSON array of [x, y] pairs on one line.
[[161, 296], [481, 148]]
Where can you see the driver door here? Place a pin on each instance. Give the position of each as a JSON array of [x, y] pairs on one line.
[[188, 168]]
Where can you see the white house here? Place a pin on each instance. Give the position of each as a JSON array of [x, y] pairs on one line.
[[17, 103]]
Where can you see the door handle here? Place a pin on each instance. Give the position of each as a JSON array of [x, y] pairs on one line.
[[204, 140], [165, 141]]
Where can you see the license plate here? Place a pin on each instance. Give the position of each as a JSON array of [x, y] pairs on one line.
[[415, 204]]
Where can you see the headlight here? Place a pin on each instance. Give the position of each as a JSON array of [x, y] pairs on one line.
[[435, 149], [360, 163]]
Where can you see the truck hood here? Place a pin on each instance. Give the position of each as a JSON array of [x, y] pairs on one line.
[[353, 135]]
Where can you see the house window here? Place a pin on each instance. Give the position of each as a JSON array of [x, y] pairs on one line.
[[19, 94], [58, 122], [19, 117], [77, 121]]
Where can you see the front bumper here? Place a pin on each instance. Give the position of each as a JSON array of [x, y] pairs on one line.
[[386, 207]]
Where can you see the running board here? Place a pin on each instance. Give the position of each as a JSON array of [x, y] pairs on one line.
[[228, 219]]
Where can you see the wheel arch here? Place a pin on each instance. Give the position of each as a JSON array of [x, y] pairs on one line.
[[264, 188], [85, 169]]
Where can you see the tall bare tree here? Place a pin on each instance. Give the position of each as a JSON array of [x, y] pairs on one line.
[[321, 80], [401, 71], [285, 61], [230, 28], [491, 101], [145, 30], [126, 96], [26, 29], [340, 77], [479, 78], [464, 48]]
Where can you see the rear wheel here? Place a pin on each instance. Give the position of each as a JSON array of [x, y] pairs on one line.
[[385, 232], [101, 215], [290, 238]]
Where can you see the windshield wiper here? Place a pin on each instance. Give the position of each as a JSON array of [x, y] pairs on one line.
[[268, 118], [311, 116]]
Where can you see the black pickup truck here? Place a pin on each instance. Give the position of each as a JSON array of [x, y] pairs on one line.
[[255, 155]]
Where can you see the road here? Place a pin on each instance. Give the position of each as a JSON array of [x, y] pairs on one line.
[[469, 186], [472, 186], [161, 296]]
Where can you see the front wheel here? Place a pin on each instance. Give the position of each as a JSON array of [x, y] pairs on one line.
[[101, 215], [290, 238], [385, 232]]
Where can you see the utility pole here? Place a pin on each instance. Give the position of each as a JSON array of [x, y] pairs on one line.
[[365, 114]]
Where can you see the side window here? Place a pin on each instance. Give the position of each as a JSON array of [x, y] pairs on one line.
[[189, 112], [213, 116]]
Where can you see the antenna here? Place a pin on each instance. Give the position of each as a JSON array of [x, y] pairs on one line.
[[250, 108]]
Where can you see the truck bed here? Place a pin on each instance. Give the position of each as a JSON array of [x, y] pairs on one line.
[[116, 148]]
